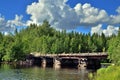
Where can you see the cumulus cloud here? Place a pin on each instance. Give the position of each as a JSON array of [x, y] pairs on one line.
[[56, 12], [97, 29], [108, 32], [62, 16], [90, 16], [10, 25], [115, 19], [111, 30]]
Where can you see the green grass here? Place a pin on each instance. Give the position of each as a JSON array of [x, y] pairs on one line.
[[109, 73]]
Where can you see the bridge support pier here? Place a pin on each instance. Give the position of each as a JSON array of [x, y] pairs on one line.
[[57, 63], [82, 63], [44, 63]]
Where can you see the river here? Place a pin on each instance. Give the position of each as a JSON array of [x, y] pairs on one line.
[[8, 72]]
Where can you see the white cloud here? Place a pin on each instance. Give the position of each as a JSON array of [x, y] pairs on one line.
[[9, 25], [111, 30], [90, 15], [118, 10], [16, 22], [62, 16], [115, 19], [97, 29], [3, 24], [56, 12], [108, 32]]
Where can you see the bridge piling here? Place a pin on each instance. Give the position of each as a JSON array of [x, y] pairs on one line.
[[44, 63], [82, 63], [57, 63]]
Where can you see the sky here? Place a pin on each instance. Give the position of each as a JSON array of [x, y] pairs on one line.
[[94, 16]]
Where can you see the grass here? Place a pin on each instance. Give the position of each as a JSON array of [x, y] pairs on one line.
[[109, 73]]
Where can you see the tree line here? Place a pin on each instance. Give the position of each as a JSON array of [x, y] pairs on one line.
[[112, 72], [47, 40], [114, 49]]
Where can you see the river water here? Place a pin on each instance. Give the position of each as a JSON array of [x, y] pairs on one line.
[[8, 72]]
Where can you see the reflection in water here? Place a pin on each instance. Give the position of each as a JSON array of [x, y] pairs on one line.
[[8, 72]]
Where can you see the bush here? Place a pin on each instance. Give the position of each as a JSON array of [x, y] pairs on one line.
[[110, 73]]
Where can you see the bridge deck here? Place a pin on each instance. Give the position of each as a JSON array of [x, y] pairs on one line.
[[71, 55]]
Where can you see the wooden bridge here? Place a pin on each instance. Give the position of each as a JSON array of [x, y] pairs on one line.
[[80, 60]]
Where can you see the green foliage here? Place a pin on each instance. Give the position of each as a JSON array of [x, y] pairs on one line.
[[114, 49], [45, 39], [110, 73]]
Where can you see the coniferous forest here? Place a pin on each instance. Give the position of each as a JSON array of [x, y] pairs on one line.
[[46, 40]]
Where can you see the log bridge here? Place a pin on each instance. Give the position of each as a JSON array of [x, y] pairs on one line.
[[78, 60]]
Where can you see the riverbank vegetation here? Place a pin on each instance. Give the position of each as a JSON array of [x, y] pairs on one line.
[[112, 72], [109, 73]]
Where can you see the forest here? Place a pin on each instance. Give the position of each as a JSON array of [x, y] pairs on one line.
[[112, 72], [47, 40]]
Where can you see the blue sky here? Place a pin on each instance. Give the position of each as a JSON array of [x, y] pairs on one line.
[[8, 10]]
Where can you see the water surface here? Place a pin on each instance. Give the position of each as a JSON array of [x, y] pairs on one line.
[[7, 72]]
